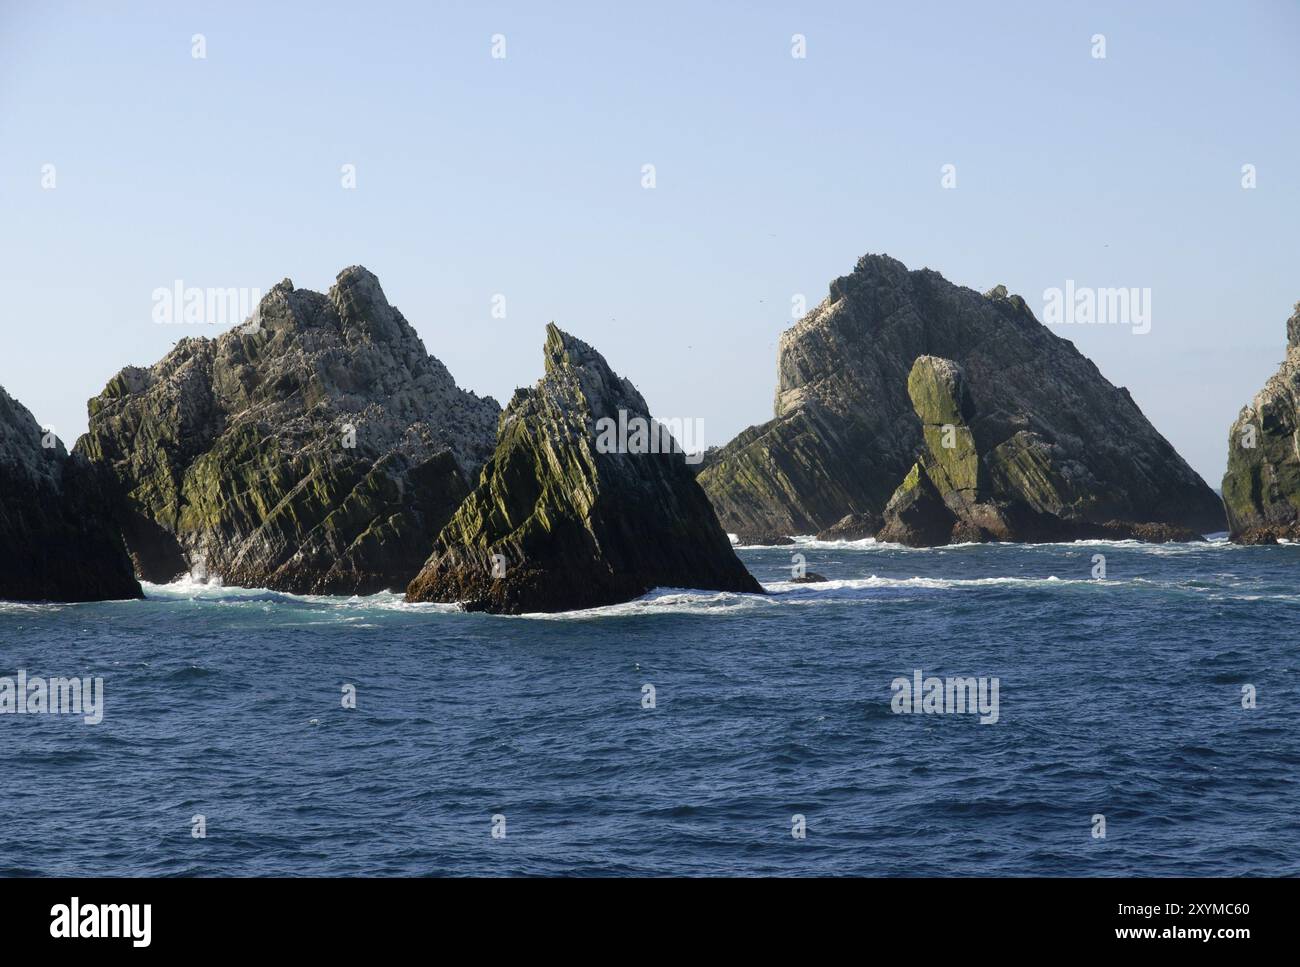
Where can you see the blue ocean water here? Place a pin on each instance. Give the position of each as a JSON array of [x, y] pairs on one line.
[[1119, 697]]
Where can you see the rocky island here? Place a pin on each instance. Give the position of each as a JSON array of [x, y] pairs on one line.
[[564, 518], [317, 448], [58, 540], [1261, 488], [849, 443]]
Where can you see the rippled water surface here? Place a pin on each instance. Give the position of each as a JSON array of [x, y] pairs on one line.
[[1120, 697]]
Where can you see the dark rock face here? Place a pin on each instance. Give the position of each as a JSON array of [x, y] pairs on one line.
[[845, 431], [560, 520], [1024, 489], [58, 541], [1261, 488], [916, 515], [318, 448], [755, 539], [852, 527]]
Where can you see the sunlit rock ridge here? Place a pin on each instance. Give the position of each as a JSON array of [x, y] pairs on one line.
[[317, 448]]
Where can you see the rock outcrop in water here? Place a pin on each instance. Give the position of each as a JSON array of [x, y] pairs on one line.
[[318, 448], [1025, 489], [58, 541], [845, 431], [1261, 488], [566, 515]]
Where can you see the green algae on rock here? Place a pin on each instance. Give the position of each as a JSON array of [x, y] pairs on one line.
[[58, 539], [1024, 489], [559, 522], [845, 433], [317, 448], [1261, 487]]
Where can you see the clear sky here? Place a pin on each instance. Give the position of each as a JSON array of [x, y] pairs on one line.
[[522, 176]]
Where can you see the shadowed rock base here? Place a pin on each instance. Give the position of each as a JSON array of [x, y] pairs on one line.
[[58, 540]]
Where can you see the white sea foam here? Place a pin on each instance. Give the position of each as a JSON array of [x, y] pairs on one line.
[[784, 593], [808, 542], [666, 601], [931, 583], [35, 607], [361, 610]]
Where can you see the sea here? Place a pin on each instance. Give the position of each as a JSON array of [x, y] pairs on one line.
[[1133, 712]]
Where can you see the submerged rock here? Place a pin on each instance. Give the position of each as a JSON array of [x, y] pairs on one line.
[[852, 527], [812, 577], [560, 520], [1261, 488], [845, 432], [58, 540], [756, 539], [1024, 489], [318, 448]]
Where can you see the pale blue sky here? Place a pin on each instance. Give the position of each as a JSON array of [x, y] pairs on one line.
[[522, 176]]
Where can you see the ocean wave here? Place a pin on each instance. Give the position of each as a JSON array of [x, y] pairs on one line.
[[190, 589], [780, 593], [358, 609], [1217, 541], [662, 601], [931, 583], [31, 607]]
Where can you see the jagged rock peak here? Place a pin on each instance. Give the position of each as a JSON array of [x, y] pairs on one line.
[[21, 445], [561, 348], [845, 432], [1293, 329], [600, 387], [359, 300], [560, 521]]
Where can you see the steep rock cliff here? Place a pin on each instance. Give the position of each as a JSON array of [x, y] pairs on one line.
[[845, 432], [1261, 488], [58, 541], [568, 514]]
